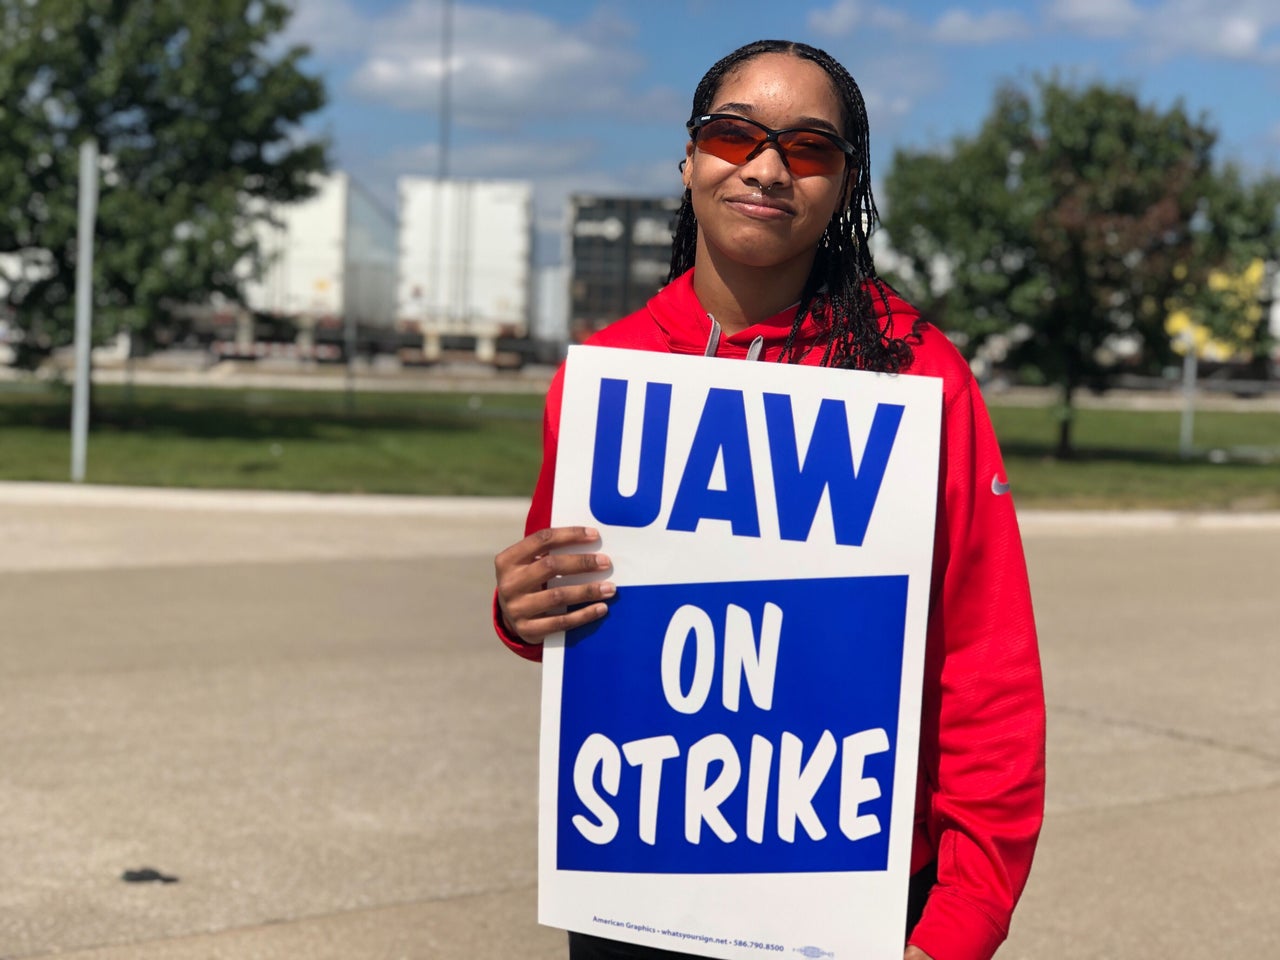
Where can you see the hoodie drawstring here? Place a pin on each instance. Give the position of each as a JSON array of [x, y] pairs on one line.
[[713, 342]]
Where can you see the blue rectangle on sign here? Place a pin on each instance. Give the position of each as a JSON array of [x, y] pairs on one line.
[[745, 727]]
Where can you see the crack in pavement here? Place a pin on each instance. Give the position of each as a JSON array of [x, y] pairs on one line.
[[1168, 733], [271, 922]]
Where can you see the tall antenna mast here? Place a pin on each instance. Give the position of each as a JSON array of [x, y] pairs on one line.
[[439, 307], [446, 56]]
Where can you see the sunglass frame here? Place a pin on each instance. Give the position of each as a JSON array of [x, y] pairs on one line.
[[695, 125]]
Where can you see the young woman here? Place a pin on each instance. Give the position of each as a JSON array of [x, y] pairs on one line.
[[771, 262]]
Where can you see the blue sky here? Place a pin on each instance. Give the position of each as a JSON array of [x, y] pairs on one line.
[[592, 95]]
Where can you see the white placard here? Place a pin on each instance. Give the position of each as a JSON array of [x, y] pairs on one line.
[[728, 758]]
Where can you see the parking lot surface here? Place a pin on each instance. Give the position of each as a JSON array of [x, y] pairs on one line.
[[294, 705]]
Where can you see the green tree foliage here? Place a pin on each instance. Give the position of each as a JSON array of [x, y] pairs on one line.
[[1065, 225], [1242, 219], [1238, 236], [196, 107]]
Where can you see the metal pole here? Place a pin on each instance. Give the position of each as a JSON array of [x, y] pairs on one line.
[[352, 296], [84, 306], [1188, 393], [446, 70], [435, 321]]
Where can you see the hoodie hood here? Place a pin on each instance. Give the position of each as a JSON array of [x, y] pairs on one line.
[[686, 327]]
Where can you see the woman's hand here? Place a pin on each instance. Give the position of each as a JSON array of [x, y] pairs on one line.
[[530, 596], [915, 953]]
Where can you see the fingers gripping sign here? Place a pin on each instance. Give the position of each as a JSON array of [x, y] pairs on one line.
[[539, 592]]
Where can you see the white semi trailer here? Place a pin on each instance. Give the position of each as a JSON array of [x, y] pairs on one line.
[[330, 269], [466, 260]]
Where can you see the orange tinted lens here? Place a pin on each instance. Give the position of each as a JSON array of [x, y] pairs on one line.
[[730, 140], [807, 154], [811, 154]]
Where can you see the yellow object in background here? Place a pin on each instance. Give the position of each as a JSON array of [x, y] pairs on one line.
[[1244, 291]]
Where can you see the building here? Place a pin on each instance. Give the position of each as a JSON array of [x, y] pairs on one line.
[[620, 254]]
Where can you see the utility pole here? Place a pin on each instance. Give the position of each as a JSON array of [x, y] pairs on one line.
[[440, 308], [84, 306], [1186, 432], [446, 93]]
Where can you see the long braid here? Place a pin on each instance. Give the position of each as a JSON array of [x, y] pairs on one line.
[[843, 279], [684, 246]]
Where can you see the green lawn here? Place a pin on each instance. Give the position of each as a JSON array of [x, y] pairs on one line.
[[1128, 458], [419, 443], [281, 440]]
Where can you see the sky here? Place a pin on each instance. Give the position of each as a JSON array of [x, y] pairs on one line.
[[591, 96]]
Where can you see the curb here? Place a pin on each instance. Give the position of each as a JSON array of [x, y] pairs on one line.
[[257, 501], [272, 501]]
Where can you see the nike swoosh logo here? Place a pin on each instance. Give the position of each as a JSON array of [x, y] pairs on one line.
[[999, 487]]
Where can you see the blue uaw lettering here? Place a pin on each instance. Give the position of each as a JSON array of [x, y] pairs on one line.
[[828, 465], [607, 503], [713, 767], [722, 438]]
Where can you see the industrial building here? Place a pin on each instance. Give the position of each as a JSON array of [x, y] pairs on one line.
[[620, 252]]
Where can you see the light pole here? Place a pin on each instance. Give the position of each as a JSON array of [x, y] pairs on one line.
[[1186, 432], [446, 70], [435, 322], [84, 305]]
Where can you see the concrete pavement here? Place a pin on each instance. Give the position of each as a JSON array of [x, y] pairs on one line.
[[294, 704]]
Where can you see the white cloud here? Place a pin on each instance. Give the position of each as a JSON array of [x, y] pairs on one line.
[[962, 27], [504, 65], [1228, 29], [837, 20], [1217, 29], [1239, 36], [329, 27], [1097, 18], [892, 84], [955, 26], [845, 16], [889, 19], [884, 107]]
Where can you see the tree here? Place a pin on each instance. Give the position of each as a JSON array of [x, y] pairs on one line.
[[197, 110], [1238, 236], [1061, 226]]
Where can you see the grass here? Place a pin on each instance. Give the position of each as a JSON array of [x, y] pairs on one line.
[[1128, 458], [281, 440], [467, 444]]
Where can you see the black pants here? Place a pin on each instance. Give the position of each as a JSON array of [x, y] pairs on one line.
[[582, 946]]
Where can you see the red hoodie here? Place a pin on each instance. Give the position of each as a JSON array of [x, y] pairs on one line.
[[980, 788]]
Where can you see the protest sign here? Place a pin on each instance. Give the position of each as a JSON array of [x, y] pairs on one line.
[[728, 758]]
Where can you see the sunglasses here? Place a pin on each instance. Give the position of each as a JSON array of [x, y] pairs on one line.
[[805, 151]]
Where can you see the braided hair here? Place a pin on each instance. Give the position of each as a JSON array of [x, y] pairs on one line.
[[843, 280]]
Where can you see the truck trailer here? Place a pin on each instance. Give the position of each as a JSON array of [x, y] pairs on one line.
[[329, 271], [466, 258]]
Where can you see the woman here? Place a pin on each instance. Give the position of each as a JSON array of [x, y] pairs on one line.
[[771, 261]]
